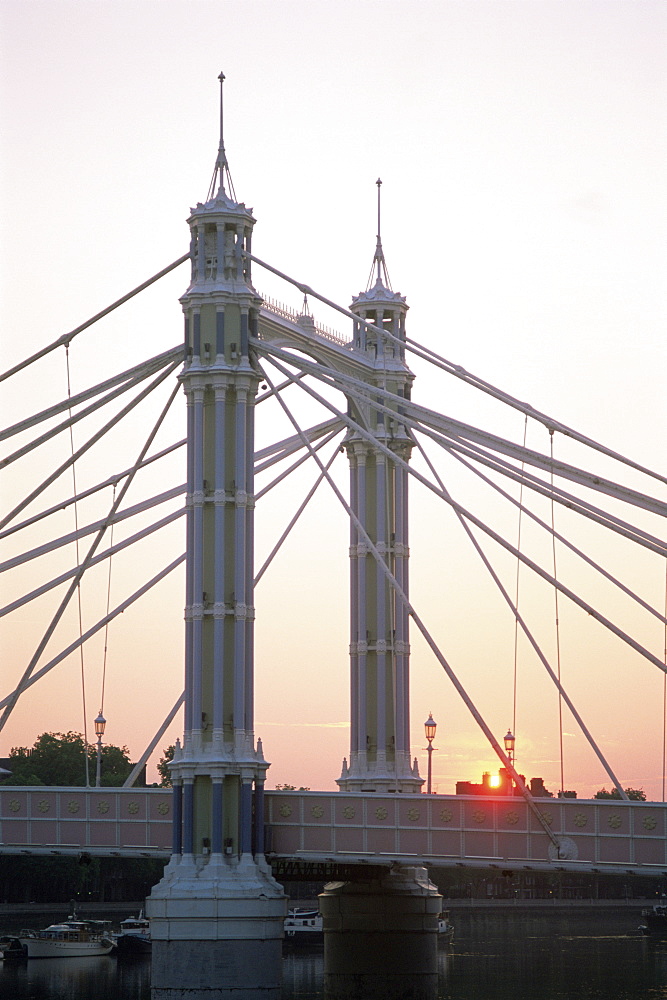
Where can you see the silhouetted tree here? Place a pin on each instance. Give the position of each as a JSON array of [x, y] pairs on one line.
[[635, 794], [163, 766], [59, 759]]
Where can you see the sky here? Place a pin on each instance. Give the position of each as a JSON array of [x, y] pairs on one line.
[[521, 147]]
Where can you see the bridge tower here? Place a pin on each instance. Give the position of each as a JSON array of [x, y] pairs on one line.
[[218, 909], [379, 641]]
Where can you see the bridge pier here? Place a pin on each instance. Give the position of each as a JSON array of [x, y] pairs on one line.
[[217, 931], [381, 937]]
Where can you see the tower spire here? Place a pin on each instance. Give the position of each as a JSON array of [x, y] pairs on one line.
[[379, 267], [221, 170]]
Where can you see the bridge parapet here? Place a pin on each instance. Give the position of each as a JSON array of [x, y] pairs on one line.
[[129, 822], [354, 829], [597, 834]]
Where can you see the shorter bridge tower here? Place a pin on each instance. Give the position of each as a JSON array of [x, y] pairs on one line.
[[217, 915], [379, 639]]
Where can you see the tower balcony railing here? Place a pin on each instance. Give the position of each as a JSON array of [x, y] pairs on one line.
[[285, 312]]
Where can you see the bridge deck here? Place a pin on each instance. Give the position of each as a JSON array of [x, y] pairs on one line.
[[604, 835], [607, 835]]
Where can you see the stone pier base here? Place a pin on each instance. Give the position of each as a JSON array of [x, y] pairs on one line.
[[217, 932], [381, 937]]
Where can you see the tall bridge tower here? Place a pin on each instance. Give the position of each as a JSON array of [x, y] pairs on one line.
[[379, 642], [217, 905]]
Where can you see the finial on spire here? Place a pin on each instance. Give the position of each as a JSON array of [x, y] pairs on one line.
[[221, 164], [379, 267]]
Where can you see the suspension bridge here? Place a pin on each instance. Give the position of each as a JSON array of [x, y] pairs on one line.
[[242, 352]]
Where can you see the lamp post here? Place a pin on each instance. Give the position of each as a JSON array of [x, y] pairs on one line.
[[509, 750], [429, 729], [510, 740], [100, 723]]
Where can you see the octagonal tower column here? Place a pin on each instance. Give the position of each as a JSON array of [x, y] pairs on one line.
[[218, 913], [379, 641]]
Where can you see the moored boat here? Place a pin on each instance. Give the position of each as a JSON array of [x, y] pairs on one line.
[[303, 926], [11, 949], [655, 918], [307, 925], [445, 926], [135, 936], [73, 938]]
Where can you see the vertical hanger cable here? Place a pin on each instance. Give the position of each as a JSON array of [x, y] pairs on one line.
[[516, 592], [553, 549], [78, 589]]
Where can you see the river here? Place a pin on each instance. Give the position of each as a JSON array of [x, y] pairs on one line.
[[494, 956]]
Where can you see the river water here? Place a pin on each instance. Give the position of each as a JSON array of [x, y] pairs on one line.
[[494, 956]]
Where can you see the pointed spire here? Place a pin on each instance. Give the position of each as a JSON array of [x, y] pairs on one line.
[[221, 170], [379, 267]]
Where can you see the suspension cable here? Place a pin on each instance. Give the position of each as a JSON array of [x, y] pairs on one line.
[[562, 539], [74, 419], [557, 623], [460, 372], [516, 591], [295, 518], [427, 636], [145, 369], [602, 619], [295, 465], [89, 444], [136, 770], [111, 481], [519, 619], [448, 431], [88, 529], [98, 558], [106, 627], [84, 565], [67, 338], [78, 589], [14, 695]]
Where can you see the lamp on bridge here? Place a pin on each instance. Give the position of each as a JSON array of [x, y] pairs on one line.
[[100, 723], [429, 729], [510, 740]]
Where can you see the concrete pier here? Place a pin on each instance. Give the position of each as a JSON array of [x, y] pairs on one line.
[[217, 931], [381, 937]]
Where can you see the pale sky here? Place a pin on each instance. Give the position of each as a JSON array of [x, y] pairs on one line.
[[522, 151]]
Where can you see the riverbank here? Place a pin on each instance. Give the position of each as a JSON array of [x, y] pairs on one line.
[[94, 909], [83, 908], [535, 905]]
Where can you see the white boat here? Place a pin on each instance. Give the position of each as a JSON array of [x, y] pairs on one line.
[[303, 925], [445, 926], [306, 925], [72, 938], [135, 936]]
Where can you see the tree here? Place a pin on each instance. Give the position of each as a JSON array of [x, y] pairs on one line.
[[634, 794], [163, 766], [60, 759], [291, 788]]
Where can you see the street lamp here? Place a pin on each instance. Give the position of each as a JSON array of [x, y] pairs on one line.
[[510, 740], [429, 729], [100, 723]]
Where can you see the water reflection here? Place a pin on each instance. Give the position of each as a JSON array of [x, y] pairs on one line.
[[102, 978], [493, 957]]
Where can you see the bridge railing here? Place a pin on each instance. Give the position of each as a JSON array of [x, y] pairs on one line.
[[471, 830], [603, 835], [132, 822], [305, 322]]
